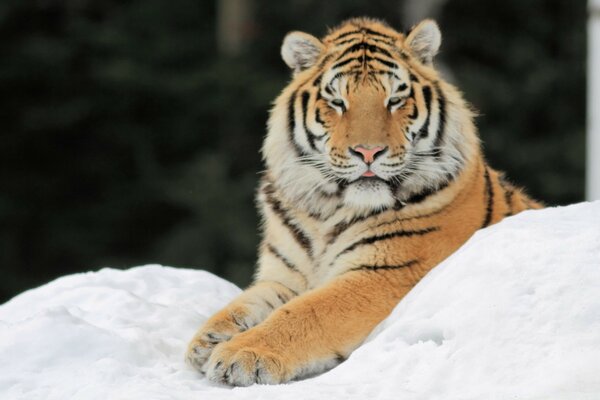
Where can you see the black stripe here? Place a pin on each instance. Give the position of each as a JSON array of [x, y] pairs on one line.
[[425, 193], [378, 71], [365, 46], [379, 82], [309, 135], [389, 42], [294, 229], [509, 191], [442, 119], [391, 73], [384, 267], [292, 291], [389, 64], [291, 115], [434, 152], [415, 113], [343, 42], [344, 62], [377, 49], [317, 81], [386, 236], [240, 323], [318, 117], [269, 304], [345, 34], [424, 131], [292, 123], [355, 72], [428, 215], [281, 298], [489, 193], [319, 96], [351, 49], [362, 30], [398, 181], [508, 198], [284, 260], [359, 39], [341, 227], [324, 61], [375, 33]]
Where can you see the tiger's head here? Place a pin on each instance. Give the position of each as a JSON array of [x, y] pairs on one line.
[[366, 119]]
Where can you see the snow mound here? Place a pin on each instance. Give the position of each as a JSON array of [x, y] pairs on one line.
[[514, 314]]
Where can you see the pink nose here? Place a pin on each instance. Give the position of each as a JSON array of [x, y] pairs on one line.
[[368, 155]]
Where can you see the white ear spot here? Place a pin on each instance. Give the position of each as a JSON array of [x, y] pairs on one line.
[[300, 50], [424, 40]]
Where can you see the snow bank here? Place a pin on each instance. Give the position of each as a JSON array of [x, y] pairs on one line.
[[514, 314]]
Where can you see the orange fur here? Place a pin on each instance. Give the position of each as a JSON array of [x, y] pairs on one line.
[[340, 250]]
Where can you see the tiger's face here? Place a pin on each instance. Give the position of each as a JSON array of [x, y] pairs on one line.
[[371, 122], [368, 113]]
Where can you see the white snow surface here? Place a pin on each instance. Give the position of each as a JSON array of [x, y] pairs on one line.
[[514, 314]]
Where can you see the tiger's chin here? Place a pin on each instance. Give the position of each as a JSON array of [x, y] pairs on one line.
[[367, 194]]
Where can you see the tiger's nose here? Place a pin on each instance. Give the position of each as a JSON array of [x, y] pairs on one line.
[[368, 155]]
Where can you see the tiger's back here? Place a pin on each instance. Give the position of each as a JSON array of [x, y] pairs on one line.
[[374, 176]]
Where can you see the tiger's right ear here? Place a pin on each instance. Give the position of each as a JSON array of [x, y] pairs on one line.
[[300, 50], [424, 40]]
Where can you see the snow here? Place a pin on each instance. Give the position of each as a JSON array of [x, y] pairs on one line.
[[514, 314]]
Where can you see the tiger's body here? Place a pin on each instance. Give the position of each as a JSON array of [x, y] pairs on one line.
[[374, 176]]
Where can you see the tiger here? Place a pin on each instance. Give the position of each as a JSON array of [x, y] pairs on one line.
[[374, 175]]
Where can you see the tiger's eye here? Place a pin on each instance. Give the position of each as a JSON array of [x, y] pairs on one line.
[[394, 100]]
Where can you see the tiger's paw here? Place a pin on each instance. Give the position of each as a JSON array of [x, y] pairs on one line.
[[202, 346], [240, 365], [220, 328]]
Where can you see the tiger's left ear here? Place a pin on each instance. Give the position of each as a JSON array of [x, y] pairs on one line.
[[424, 40], [300, 50]]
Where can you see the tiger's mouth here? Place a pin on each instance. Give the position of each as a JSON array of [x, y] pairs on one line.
[[369, 174], [369, 183]]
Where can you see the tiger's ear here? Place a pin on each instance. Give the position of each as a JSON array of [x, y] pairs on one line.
[[301, 50], [424, 40]]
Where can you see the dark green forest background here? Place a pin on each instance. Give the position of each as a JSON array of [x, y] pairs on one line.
[[130, 132]]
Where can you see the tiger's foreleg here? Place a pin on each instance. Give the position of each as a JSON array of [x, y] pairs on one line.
[[312, 332], [247, 310]]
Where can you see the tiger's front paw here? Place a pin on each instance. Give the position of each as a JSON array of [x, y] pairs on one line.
[[238, 364], [202, 346], [220, 328]]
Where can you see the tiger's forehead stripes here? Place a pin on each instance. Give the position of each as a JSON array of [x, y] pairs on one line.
[[365, 45], [366, 55], [365, 64]]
